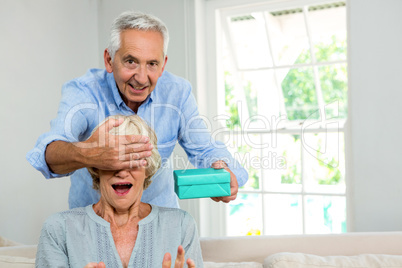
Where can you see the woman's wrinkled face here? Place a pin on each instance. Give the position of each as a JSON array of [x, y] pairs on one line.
[[121, 189]]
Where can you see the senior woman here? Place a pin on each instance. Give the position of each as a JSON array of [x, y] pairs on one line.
[[120, 230]]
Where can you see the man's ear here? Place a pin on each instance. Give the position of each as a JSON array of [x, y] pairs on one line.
[[108, 61], [164, 65]]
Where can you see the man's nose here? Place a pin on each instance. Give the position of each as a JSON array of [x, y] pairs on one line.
[[141, 75]]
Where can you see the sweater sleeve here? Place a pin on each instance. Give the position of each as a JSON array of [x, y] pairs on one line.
[[190, 241], [52, 251]]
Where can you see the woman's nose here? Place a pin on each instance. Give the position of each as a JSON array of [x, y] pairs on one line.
[[122, 173]]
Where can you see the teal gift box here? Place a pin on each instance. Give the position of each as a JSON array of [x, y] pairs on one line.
[[199, 183]]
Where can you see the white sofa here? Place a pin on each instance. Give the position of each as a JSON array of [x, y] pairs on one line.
[[299, 251], [382, 249]]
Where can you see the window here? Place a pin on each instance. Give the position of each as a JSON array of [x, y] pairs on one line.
[[284, 77]]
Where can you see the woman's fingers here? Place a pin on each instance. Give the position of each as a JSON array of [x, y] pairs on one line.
[[180, 258], [190, 263], [95, 265], [167, 261]]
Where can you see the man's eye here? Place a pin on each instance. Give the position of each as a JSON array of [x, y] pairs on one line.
[[130, 62]]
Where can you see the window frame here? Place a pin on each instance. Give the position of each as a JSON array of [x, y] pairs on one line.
[[215, 13]]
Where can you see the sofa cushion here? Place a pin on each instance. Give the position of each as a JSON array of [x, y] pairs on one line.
[[26, 251], [4, 242], [300, 260], [232, 264], [16, 262], [18, 256]]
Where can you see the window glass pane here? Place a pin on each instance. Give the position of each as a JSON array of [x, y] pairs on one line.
[[249, 40], [288, 37], [299, 93], [333, 80], [245, 215], [245, 148], [253, 104], [252, 86], [274, 81], [324, 162], [325, 214], [232, 102], [283, 214], [261, 95], [284, 172], [328, 30]]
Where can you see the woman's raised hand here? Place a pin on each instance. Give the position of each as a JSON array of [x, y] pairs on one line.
[[95, 265], [167, 261], [180, 260]]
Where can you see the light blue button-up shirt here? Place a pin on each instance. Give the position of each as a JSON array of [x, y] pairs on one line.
[[170, 109]]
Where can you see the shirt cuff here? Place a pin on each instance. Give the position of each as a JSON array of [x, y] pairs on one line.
[[36, 157]]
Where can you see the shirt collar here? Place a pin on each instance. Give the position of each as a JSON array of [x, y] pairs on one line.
[[112, 85]]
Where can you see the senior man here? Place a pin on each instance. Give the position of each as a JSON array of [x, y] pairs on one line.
[[133, 82]]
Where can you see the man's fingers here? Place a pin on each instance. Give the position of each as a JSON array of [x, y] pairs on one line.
[[167, 261], [132, 139], [138, 147], [129, 164], [219, 164], [111, 123], [226, 199], [135, 156], [137, 163], [234, 185], [101, 136]]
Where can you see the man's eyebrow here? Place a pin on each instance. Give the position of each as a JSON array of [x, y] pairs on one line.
[[153, 61], [126, 57], [130, 57]]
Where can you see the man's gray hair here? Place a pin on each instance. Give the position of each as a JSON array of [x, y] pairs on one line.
[[136, 20]]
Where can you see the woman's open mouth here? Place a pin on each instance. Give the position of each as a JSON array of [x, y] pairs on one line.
[[122, 188]]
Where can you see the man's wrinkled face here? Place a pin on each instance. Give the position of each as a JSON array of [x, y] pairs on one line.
[[137, 65]]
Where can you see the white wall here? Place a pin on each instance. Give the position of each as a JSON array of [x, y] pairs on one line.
[[375, 94], [43, 44]]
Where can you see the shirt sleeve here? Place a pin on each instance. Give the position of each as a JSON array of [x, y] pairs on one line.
[[52, 251], [69, 125], [202, 150], [190, 241]]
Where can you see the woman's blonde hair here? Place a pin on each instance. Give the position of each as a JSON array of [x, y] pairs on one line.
[[133, 125]]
